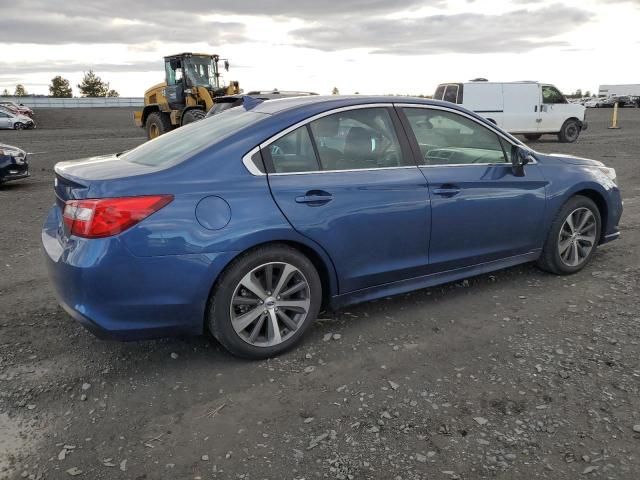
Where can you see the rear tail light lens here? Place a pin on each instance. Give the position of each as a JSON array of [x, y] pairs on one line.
[[104, 217]]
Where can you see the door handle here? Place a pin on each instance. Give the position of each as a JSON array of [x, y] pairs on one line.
[[315, 198], [447, 190]]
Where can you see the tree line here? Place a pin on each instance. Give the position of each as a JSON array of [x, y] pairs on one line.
[[91, 86]]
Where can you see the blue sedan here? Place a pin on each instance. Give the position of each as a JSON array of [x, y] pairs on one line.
[[248, 223]]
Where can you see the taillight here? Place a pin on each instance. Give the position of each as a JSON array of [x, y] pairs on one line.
[[104, 217]]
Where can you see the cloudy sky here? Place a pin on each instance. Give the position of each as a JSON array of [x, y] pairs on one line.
[[368, 46]]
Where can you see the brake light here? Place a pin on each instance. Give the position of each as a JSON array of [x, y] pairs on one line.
[[104, 217]]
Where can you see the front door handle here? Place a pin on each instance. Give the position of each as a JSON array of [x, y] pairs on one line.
[[447, 190], [315, 198]]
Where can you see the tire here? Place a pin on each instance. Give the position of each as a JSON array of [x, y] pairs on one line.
[[533, 136], [158, 123], [231, 305], [553, 259], [570, 131], [18, 126], [193, 116]]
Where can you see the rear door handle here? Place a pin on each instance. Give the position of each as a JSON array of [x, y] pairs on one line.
[[315, 198], [447, 190]]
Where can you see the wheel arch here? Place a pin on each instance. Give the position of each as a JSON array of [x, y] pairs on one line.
[[599, 199], [147, 110], [321, 261], [188, 109], [573, 118]]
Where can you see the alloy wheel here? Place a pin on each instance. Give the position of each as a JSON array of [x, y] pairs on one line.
[[270, 303], [577, 237]]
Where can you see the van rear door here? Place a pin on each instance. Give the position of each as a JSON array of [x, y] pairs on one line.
[[521, 107]]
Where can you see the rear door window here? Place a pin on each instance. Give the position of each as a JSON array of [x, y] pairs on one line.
[[451, 94], [355, 139], [293, 152]]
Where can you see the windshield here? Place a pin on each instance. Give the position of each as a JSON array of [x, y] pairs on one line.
[[202, 71], [175, 147]]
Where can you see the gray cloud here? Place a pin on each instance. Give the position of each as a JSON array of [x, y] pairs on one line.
[[517, 31], [56, 28], [332, 25], [306, 9], [66, 67]]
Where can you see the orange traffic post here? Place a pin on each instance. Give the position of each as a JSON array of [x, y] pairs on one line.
[[614, 118]]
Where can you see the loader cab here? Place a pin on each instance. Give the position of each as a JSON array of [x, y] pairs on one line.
[[186, 71]]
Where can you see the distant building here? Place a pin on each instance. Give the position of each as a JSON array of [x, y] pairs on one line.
[[631, 89]]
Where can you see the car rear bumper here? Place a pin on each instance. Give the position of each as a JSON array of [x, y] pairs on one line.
[[117, 295]]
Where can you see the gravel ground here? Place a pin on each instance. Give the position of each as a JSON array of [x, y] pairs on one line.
[[513, 375]]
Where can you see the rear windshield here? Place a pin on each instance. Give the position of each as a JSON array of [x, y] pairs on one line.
[[176, 146]]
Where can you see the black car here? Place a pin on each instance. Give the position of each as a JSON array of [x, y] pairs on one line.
[[229, 101], [13, 163]]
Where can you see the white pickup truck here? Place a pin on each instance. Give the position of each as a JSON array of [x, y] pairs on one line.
[[528, 108]]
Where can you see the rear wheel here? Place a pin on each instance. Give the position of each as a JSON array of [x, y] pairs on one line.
[[569, 132], [193, 116], [533, 136], [157, 123], [572, 238], [264, 302]]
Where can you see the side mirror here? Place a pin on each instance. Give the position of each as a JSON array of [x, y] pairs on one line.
[[519, 158], [226, 65]]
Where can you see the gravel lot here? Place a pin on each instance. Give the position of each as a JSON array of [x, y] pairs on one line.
[[513, 375]]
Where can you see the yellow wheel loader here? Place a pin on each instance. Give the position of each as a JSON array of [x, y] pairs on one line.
[[192, 83]]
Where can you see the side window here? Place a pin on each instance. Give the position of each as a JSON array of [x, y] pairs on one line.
[[450, 139], [551, 94], [293, 152], [358, 139], [451, 94], [439, 92]]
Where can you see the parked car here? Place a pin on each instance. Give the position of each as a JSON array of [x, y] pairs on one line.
[[528, 108], [248, 223], [11, 120], [230, 101], [622, 101], [13, 163], [17, 108]]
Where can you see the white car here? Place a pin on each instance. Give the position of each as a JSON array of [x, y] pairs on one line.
[[9, 120], [527, 108], [598, 102]]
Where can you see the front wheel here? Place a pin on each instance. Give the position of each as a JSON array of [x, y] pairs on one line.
[[569, 132], [19, 126], [264, 302], [572, 238], [192, 116], [158, 123]]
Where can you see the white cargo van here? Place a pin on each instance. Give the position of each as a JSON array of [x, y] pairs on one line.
[[528, 108]]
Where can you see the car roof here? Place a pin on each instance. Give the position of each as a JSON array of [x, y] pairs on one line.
[[280, 105]]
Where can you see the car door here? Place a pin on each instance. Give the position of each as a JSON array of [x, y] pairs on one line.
[[553, 110], [480, 210], [4, 120], [348, 181]]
